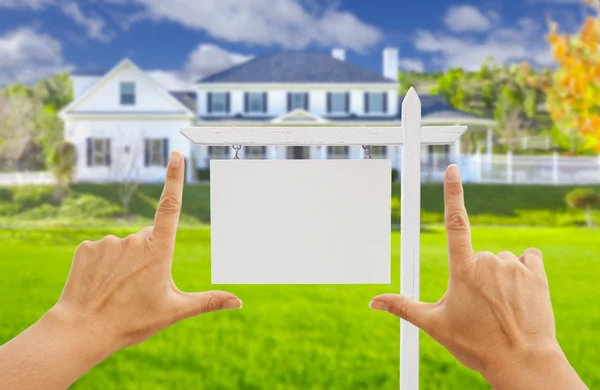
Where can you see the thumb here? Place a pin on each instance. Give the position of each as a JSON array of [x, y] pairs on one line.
[[415, 312], [193, 304]]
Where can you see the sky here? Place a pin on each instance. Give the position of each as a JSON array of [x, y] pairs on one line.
[[179, 41]]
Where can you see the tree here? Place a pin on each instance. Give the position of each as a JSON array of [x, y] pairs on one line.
[[586, 199], [64, 161], [573, 91]]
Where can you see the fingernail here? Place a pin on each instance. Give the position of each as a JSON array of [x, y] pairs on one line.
[[175, 160], [453, 173], [378, 305], [231, 304]]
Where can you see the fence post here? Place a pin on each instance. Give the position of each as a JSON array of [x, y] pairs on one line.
[[555, 168], [509, 170]]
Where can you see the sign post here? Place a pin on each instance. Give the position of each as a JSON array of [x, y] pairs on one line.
[[411, 135]]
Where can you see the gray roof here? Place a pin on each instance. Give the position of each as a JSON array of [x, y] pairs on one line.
[[90, 72], [187, 98], [296, 67]]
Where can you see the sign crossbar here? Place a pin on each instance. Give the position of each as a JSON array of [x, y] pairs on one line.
[[411, 135]]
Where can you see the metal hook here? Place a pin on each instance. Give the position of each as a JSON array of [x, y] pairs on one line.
[[237, 149], [367, 152]]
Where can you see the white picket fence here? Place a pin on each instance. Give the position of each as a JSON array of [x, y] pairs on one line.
[[512, 169], [26, 178]]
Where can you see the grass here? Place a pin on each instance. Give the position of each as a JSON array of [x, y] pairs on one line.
[[299, 337]]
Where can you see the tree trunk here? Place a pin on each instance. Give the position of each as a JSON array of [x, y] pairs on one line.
[[588, 216]]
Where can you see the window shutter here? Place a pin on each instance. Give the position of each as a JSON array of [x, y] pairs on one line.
[[89, 151], [385, 95], [108, 154], [329, 102], [306, 105], [366, 102], [209, 102], [165, 151], [289, 101], [265, 102], [227, 101], [246, 102], [347, 101], [146, 152]]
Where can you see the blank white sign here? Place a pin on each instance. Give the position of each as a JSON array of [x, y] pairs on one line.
[[300, 221]]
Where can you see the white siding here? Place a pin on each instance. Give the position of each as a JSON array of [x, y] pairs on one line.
[[123, 133], [148, 97], [82, 84]]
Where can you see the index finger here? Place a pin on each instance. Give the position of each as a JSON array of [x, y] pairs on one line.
[[458, 233], [166, 218]]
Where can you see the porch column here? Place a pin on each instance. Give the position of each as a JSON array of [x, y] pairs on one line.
[[271, 153], [489, 143]]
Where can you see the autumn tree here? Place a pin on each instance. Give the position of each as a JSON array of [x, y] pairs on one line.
[[573, 91]]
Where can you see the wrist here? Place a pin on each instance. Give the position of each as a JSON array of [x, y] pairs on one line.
[[85, 335], [532, 367]]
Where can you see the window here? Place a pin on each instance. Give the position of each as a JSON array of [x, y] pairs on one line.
[[127, 94], [156, 152], [98, 152], [375, 102], [338, 102], [297, 100], [378, 151], [255, 152], [255, 102], [218, 152], [338, 152], [218, 102]]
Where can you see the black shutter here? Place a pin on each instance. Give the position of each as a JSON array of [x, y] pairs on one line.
[[366, 102], [227, 101], [289, 101], [329, 102], [265, 102], [209, 102], [146, 152], [306, 105], [89, 151], [347, 101], [385, 102], [165, 151], [246, 101], [108, 154]]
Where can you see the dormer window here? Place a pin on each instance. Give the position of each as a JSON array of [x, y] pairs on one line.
[[127, 94]]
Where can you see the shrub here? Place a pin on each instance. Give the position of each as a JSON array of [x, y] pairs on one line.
[[29, 197], [44, 211], [87, 206], [203, 174], [586, 199], [7, 209], [395, 175]]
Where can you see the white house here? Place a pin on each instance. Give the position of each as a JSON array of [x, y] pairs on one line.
[[124, 124]]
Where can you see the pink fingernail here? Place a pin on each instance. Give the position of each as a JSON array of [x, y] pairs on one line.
[[378, 305], [175, 160]]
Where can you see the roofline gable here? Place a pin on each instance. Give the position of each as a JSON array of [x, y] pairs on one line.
[[104, 79]]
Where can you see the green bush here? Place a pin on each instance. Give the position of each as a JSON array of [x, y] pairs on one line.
[[7, 209], [395, 175], [203, 174], [87, 206], [29, 197], [45, 211]]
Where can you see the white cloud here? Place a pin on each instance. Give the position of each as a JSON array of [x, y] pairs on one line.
[[462, 18], [25, 4], [411, 64], [523, 42], [95, 26], [203, 61], [288, 23], [28, 56]]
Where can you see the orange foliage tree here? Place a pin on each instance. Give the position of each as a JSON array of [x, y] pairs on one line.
[[573, 91]]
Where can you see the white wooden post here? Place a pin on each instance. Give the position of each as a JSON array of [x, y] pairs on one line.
[[489, 143], [410, 222], [555, 168], [479, 167], [271, 153], [509, 170]]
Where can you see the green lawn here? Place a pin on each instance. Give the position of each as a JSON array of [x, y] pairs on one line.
[[299, 337]]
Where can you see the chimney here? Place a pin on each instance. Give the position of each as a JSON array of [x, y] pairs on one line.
[[390, 63], [339, 54]]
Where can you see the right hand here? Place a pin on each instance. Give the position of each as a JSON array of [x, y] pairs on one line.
[[496, 316]]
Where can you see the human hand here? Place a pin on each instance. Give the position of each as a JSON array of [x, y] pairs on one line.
[[496, 315], [121, 291]]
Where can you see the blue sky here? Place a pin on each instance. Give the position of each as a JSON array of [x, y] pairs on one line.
[[181, 40]]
